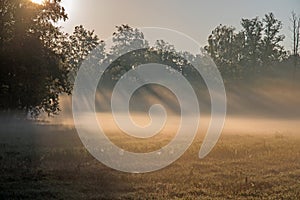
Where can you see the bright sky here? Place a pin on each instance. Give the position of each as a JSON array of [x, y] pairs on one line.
[[196, 18]]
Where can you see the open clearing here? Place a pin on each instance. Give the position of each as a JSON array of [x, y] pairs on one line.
[[259, 159]]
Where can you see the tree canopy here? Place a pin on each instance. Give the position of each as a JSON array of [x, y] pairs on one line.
[[36, 56], [254, 48], [39, 61]]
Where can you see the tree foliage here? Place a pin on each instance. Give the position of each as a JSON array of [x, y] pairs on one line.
[[256, 45], [35, 55], [39, 61], [225, 46]]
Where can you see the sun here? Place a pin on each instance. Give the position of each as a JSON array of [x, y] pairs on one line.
[[38, 1]]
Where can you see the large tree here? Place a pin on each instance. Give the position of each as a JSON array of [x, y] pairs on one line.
[[33, 56]]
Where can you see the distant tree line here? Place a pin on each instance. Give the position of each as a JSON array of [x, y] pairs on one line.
[[255, 48], [39, 61]]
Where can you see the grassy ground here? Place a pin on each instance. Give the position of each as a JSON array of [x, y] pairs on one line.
[[49, 162]]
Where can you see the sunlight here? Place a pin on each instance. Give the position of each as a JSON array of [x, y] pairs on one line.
[[38, 1]]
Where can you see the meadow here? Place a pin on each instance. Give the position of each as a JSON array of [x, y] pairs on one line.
[[259, 159]]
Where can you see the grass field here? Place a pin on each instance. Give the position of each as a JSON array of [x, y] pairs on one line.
[[49, 162]]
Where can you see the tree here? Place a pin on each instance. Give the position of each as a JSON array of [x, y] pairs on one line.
[[76, 48], [33, 56], [272, 50], [253, 49], [126, 38], [125, 42], [296, 35], [252, 30], [224, 46]]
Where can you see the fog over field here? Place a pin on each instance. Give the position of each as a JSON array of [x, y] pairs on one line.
[[88, 111], [265, 104], [258, 152]]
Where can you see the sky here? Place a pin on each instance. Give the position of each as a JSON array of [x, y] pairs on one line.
[[196, 18]]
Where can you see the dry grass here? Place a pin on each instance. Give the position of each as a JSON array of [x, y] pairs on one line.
[[49, 162]]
